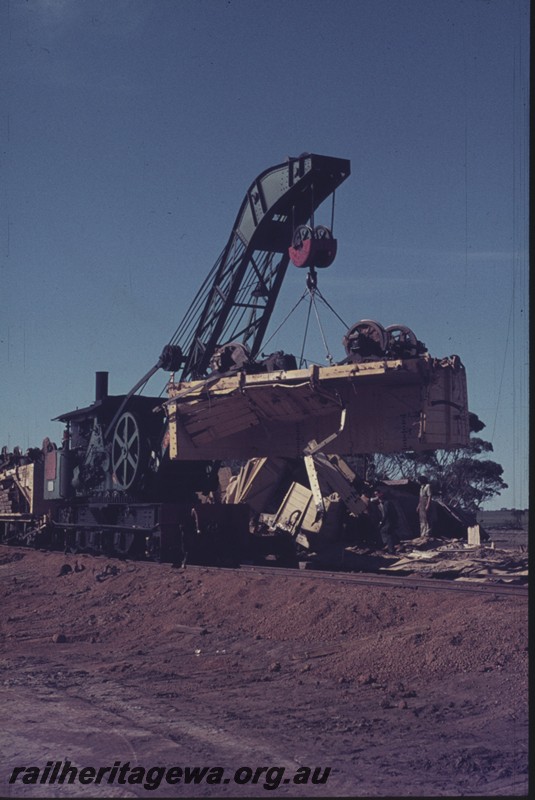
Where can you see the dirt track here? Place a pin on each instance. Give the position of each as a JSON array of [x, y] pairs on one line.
[[400, 692]]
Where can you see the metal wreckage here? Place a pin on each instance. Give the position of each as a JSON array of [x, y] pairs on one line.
[[139, 476]]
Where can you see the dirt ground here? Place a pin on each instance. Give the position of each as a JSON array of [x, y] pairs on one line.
[[400, 692]]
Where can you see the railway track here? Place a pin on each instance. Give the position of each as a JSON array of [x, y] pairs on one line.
[[411, 582]]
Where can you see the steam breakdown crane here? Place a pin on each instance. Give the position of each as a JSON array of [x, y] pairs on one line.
[[126, 477]]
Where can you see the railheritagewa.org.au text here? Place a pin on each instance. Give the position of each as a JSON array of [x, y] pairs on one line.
[[151, 778]]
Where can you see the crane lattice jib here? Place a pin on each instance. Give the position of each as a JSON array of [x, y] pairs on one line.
[[237, 298]]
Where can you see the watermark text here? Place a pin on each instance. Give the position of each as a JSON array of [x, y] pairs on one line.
[[151, 778]]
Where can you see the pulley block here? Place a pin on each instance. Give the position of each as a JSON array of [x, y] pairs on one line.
[[171, 358], [312, 247]]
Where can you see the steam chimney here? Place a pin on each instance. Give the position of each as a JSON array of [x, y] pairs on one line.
[[101, 386]]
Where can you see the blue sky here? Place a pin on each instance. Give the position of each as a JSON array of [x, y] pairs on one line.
[[131, 129]]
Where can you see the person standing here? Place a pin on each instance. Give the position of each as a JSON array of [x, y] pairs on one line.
[[424, 506], [388, 520]]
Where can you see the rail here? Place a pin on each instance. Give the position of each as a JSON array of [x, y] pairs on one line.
[[383, 581]]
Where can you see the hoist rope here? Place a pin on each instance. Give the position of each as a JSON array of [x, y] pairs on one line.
[[301, 357], [286, 318], [332, 213], [312, 292], [329, 306], [327, 353]]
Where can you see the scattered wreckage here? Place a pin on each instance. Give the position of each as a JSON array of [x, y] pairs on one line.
[[133, 472]]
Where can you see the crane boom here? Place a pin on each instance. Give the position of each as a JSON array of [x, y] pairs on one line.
[[237, 299]]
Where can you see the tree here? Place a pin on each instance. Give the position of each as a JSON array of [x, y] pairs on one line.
[[459, 476]]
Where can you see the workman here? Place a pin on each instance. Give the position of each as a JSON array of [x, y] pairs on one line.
[[388, 520], [424, 506]]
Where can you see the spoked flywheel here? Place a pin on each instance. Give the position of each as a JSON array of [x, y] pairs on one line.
[[126, 452]]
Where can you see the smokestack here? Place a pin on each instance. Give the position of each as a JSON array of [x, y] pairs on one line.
[[101, 386]]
